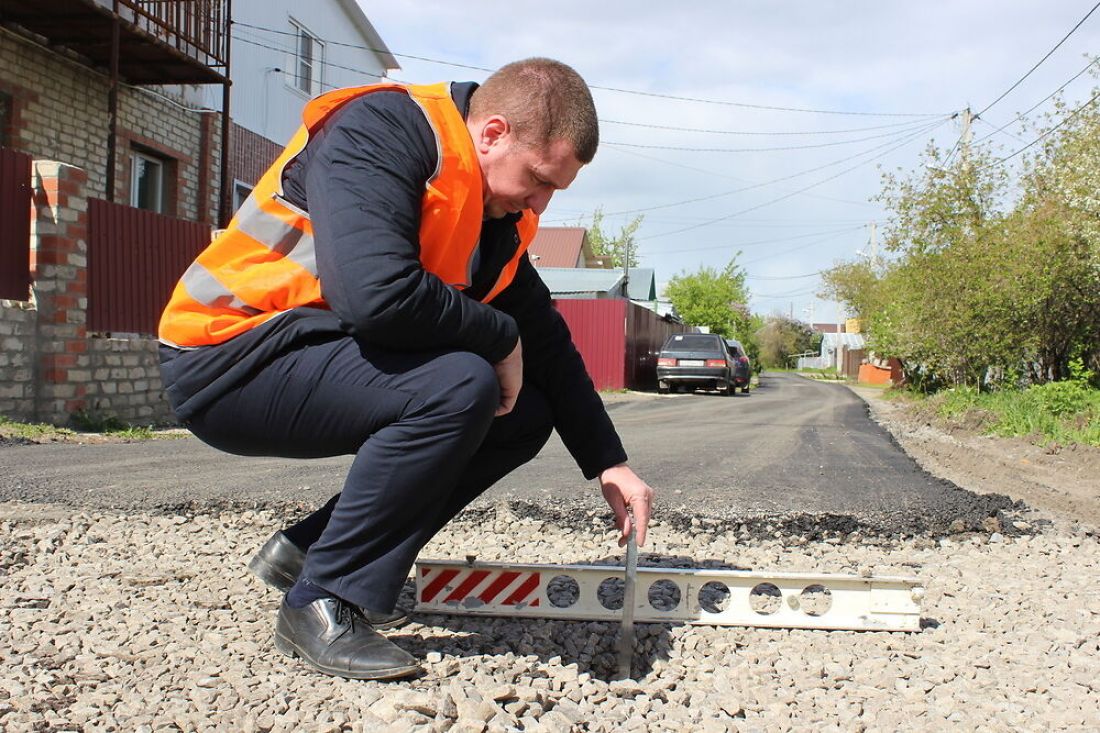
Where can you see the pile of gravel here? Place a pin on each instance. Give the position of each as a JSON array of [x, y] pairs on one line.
[[150, 622]]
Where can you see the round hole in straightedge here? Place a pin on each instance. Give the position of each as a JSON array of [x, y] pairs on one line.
[[664, 595], [714, 597], [765, 598], [563, 591], [816, 599], [611, 592]]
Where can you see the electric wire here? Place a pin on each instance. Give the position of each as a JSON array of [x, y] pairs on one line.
[[640, 146], [1040, 61], [710, 131], [1045, 134], [736, 245], [637, 92], [789, 195], [847, 159]]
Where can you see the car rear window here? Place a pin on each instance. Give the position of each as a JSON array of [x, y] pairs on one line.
[[692, 342]]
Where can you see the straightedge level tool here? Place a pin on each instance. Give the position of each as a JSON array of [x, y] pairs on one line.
[[714, 597]]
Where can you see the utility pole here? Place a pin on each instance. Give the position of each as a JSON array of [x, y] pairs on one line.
[[967, 134], [874, 245]]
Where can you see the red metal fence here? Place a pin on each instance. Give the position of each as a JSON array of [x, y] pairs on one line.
[[135, 258], [618, 340], [15, 224]]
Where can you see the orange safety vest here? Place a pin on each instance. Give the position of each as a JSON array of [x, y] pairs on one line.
[[264, 263]]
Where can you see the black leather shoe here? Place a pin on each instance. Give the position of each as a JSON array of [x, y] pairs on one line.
[[334, 638], [279, 563]]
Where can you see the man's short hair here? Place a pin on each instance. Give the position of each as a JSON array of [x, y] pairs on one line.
[[543, 100]]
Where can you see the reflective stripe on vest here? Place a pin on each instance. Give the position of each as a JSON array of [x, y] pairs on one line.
[[265, 262]]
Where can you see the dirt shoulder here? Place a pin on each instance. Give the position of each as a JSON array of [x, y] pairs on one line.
[[1061, 481]]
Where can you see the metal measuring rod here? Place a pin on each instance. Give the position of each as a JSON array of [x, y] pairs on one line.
[[626, 634]]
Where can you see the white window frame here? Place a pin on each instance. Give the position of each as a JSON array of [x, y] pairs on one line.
[[316, 64], [162, 168], [241, 191]]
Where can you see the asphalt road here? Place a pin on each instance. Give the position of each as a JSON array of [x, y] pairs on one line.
[[794, 456]]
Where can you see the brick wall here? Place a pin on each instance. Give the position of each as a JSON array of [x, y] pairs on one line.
[[18, 321], [250, 155], [60, 113], [50, 367]]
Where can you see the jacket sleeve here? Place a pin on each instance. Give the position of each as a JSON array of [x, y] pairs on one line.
[[551, 362], [365, 178]]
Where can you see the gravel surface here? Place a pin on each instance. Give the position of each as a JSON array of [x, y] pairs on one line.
[[144, 622]]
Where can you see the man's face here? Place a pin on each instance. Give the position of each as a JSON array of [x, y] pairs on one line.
[[517, 176]]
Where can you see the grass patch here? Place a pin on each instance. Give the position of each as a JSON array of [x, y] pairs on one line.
[[31, 431], [1057, 412]]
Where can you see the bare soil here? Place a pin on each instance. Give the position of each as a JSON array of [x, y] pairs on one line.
[[1063, 481]]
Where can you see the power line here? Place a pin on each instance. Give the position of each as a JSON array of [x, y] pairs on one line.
[[840, 161], [892, 134], [674, 164], [711, 131], [1040, 61], [744, 105], [1042, 101], [822, 236], [794, 193], [1046, 134], [783, 277]]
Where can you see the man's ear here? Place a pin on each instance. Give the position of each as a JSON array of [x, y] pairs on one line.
[[490, 131]]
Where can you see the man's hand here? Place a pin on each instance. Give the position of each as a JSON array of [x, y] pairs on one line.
[[510, 373], [623, 489]]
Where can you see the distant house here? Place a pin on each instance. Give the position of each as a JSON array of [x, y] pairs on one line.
[[582, 283], [564, 247]]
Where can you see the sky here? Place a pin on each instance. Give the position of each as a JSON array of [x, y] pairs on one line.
[[881, 80]]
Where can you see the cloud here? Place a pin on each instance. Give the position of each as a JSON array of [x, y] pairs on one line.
[[930, 57]]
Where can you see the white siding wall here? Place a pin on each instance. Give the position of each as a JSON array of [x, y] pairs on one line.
[[263, 99]]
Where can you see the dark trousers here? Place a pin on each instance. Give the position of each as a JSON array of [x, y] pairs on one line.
[[426, 444]]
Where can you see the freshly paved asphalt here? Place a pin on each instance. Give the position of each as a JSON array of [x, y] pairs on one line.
[[800, 455]]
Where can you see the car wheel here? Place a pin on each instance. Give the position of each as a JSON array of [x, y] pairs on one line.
[[662, 389], [745, 389]]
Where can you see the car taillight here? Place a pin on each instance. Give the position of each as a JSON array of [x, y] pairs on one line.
[[744, 360], [665, 361], [716, 362]]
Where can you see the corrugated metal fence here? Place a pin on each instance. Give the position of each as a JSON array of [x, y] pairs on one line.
[[15, 224], [135, 258], [618, 340]]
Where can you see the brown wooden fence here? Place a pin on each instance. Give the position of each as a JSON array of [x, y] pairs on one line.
[[135, 258], [15, 224]]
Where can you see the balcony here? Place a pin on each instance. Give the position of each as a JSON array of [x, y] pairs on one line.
[[160, 41]]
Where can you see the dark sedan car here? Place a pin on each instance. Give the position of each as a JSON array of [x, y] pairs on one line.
[[695, 360], [742, 366]]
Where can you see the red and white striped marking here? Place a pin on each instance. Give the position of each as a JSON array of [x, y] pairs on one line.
[[473, 587]]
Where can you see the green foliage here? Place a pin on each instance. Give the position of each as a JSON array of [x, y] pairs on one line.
[[30, 431], [989, 282], [619, 247], [1062, 412], [713, 298], [780, 337], [95, 422]]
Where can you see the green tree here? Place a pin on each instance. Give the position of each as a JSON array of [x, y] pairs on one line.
[[779, 338], [616, 247], [713, 298]]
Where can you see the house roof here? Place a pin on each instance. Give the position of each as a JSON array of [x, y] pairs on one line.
[[641, 283], [580, 279], [369, 34], [852, 341], [557, 246]]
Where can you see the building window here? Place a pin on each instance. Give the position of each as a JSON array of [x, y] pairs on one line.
[[241, 191], [148, 181], [305, 68], [7, 121]]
